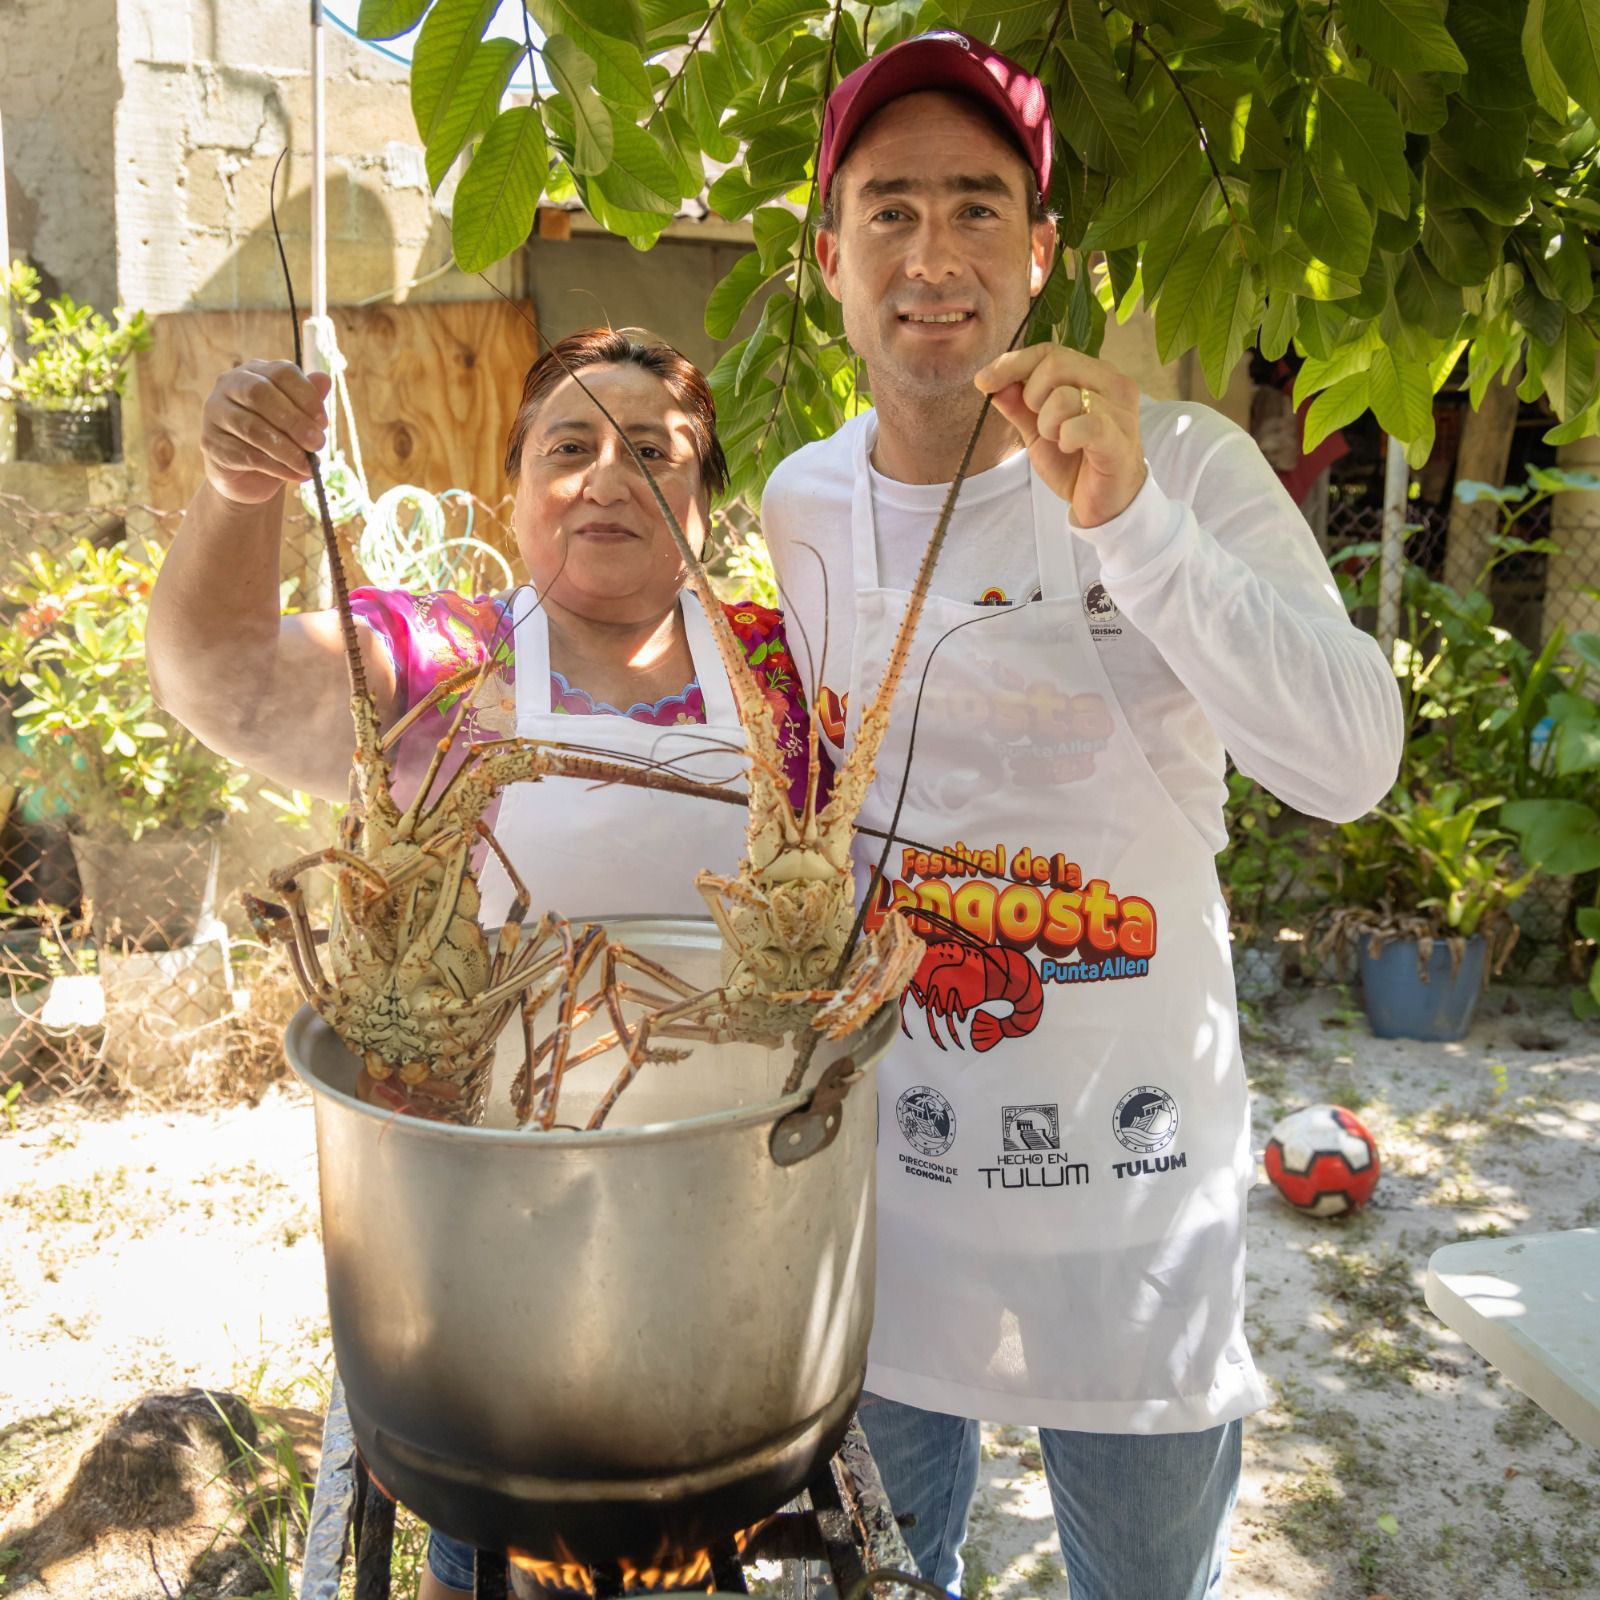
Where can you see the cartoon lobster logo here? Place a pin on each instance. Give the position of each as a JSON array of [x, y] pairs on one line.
[[959, 975]]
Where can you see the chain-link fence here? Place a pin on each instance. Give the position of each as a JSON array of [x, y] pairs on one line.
[[1542, 575], [126, 959]]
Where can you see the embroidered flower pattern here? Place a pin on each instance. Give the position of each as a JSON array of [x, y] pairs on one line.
[[430, 637]]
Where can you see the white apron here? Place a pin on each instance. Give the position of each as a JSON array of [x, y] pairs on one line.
[[1061, 1187], [595, 852]]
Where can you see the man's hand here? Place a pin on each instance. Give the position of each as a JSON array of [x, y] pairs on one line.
[[1093, 459], [257, 425]]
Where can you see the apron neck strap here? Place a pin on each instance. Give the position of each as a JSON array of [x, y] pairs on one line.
[[531, 640], [863, 520], [716, 693]]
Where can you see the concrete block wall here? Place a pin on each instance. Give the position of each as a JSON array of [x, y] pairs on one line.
[[59, 87], [211, 96]]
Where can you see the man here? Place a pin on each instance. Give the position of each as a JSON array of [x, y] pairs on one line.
[[1125, 591]]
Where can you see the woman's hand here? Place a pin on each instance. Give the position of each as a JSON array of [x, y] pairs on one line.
[[1079, 419], [258, 423]]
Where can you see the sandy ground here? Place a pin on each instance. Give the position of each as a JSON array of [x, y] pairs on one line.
[[144, 1250]]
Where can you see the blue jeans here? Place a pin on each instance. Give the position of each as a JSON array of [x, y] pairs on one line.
[[1141, 1516], [453, 1563]]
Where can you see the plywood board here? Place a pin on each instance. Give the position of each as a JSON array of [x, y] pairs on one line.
[[435, 389]]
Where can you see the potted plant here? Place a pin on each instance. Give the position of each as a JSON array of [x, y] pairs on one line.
[[79, 364], [145, 796], [1421, 889], [1259, 872]]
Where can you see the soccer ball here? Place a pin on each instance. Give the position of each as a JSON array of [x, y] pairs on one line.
[[1321, 1160]]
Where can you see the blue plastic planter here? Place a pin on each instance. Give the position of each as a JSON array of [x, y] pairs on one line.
[[1401, 1006]]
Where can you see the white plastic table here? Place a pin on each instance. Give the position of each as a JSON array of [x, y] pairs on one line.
[[1530, 1304]]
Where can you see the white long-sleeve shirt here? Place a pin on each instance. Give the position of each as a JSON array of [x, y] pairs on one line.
[[1224, 631]]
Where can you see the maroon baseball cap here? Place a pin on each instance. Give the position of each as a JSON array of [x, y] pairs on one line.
[[948, 60]]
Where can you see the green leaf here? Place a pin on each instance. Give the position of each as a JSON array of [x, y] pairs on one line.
[[1277, 327], [733, 294], [471, 107], [1403, 34], [499, 192], [1418, 97], [1577, 746], [447, 46], [1086, 317], [1399, 394], [1091, 109], [1398, 234], [1542, 75], [1586, 647], [1487, 33], [594, 134], [1332, 409], [733, 195], [766, 19], [1455, 179], [1226, 335], [1588, 921], [1388, 1523], [1541, 316], [1572, 37], [1177, 236], [611, 35], [1291, 265], [1560, 837], [1571, 271], [388, 19], [706, 89], [1166, 173], [1189, 294], [1334, 218], [1365, 131], [639, 178], [1423, 297], [1459, 244], [781, 152], [1565, 369], [1238, 122], [1320, 372]]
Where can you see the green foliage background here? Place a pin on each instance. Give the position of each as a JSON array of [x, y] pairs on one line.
[[1385, 184]]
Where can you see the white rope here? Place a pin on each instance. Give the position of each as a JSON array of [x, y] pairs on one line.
[[420, 555]]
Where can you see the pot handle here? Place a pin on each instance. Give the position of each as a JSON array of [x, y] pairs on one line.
[[816, 1124]]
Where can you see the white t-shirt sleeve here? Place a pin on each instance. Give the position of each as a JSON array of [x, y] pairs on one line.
[[1215, 565]]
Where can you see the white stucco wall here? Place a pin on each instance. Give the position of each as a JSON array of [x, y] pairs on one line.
[[59, 87]]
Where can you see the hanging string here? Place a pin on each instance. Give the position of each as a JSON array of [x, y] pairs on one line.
[[418, 553]]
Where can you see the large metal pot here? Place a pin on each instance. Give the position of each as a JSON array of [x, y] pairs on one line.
[[590, 1346]]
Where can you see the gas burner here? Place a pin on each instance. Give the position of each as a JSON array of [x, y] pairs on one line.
[[842, 1519]]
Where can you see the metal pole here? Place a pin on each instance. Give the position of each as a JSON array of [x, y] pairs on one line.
[[319, 161], [323, 588], [8, 421], [1391, 555]]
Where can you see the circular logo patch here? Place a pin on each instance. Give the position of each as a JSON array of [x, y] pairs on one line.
[[1146, 1120], [1097, 604], [927, 1120]]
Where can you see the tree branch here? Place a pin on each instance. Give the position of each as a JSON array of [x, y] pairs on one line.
[[683, 66], [804, 243], [1205, 144], [1050, 38]]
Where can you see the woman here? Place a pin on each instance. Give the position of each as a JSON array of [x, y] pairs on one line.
[[606, 633]]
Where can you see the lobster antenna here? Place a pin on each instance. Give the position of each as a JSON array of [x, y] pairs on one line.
[[924, 579], [727, 645], [341, 590]]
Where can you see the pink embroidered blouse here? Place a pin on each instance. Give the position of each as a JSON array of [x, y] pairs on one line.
[[428, 637]]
